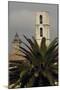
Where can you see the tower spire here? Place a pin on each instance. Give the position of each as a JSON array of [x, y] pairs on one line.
[[16, 38], [14, 55]]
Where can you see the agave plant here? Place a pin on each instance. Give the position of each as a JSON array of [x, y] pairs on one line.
[[43, 63]]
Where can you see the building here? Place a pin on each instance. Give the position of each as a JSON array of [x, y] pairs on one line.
[[15, 54], [42, 27]]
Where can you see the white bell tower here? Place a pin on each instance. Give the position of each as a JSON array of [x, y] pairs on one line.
[[42, 27]]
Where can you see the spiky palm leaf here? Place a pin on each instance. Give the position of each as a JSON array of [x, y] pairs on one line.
[[44, 61], [43, 64], [15, 68]]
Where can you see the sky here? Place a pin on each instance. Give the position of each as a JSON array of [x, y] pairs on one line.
[[21, 19]]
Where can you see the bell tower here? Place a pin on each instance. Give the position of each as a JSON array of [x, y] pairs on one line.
[[42, 27]]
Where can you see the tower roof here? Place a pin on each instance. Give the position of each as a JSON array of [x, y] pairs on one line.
[[16, 38]]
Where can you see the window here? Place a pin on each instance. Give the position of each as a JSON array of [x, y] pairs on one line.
[[41, 19], [41, 32]]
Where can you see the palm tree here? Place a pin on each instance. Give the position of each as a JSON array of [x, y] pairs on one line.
[[43, 64]]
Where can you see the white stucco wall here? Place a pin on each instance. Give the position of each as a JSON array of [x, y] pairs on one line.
[[45, 25]]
